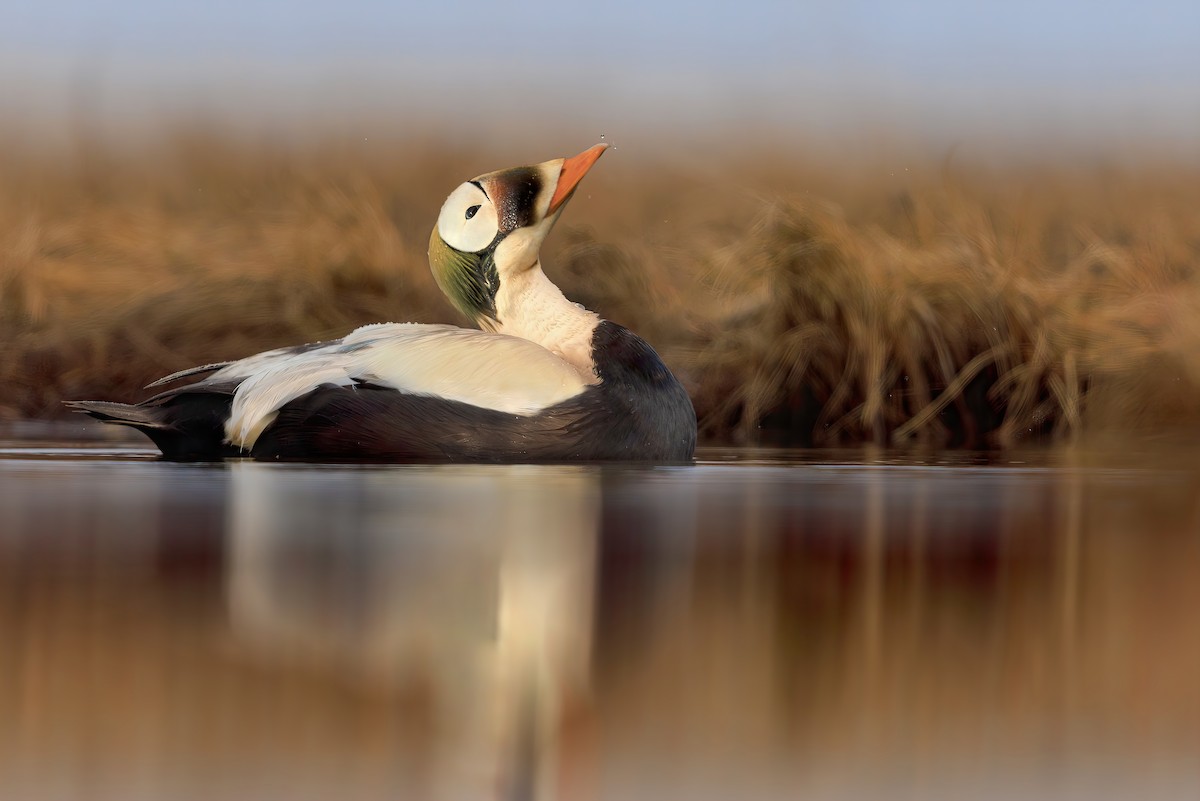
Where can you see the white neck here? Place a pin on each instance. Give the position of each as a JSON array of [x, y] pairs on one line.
[[530, 306]]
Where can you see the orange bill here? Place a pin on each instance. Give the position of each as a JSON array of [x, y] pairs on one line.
[[573, 170]]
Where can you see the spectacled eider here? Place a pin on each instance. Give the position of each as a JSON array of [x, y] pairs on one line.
[[545, 380]]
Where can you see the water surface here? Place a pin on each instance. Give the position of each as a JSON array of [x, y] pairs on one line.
[[759, 626]]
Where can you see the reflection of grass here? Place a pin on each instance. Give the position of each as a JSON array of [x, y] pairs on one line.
[[953, 305]]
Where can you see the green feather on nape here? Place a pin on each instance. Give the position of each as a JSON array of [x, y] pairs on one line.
[[469, 280]]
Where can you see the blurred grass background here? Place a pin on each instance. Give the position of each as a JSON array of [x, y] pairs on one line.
[[898, 298]]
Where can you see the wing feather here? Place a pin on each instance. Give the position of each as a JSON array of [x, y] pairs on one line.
[[489, 371], [188, 373]]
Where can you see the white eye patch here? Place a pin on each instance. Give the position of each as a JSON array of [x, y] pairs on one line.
[[468, 221]]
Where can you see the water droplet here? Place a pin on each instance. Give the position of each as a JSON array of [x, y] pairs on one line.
[[601, 137]]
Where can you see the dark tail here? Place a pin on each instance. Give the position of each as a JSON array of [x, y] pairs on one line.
[[186, 426], [123, 414]]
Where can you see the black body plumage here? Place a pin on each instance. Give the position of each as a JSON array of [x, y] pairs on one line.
[[637, 412]]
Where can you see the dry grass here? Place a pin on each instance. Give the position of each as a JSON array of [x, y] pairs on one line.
[[951, 304], [987, 309]]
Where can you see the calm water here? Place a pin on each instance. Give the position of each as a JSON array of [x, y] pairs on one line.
[[755, 627]]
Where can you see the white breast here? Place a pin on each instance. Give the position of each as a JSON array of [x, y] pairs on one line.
[[493, 371]]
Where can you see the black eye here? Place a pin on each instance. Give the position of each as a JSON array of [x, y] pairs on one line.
[[471, 211]]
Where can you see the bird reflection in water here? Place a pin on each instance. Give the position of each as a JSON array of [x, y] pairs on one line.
[[485, 606]]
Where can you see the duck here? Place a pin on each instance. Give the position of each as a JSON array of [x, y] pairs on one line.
[[539, 379]]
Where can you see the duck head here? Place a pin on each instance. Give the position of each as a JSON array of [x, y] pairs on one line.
[[491, 229]]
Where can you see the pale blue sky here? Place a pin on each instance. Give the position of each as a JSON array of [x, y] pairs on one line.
[[1016, 66]]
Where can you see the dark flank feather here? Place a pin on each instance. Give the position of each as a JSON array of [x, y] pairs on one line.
[[369, 423]]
